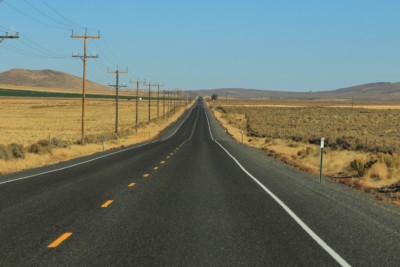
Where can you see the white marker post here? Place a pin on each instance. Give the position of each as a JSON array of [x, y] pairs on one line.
[[242, 135], [322, 154]]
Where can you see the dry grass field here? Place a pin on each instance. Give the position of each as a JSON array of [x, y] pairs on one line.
[[362, 144], [25, 121], [40, 131]]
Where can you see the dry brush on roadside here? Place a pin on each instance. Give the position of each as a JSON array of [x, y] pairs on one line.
[[362, 144]]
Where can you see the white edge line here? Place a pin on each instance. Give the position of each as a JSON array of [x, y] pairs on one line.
[[100, 157], [308, 230]]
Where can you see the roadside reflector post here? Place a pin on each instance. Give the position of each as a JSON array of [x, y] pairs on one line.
[[242, 135], [321, 158]]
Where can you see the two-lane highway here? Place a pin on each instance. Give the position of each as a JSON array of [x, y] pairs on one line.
[[190, 201]]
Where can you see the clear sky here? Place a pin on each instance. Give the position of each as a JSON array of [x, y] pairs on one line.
[[291, 45]]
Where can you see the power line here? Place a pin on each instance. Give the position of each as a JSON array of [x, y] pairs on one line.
[[112, 53], [61, 15], [40, 49], [47, 16], [26, 53], [34, 19]]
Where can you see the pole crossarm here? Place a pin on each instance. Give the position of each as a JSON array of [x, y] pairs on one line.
[[7, 36]]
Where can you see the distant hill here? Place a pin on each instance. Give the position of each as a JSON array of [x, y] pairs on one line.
[[49, 79], [371, 91]]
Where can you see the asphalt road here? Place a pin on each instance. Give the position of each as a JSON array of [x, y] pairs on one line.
[[196, 198]]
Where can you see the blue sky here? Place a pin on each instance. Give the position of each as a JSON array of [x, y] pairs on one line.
[[276, 45]]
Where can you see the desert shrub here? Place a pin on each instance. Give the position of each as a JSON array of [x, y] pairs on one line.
[[17, 150], [44, 142], [56, 142], [314, 141], [360, 147], [5, 152], [361, 167], [358, 166], [297, 138], [305, 152], [343, 143], [35, 149], [40, 147]]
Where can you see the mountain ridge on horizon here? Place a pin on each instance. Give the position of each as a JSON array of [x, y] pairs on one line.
[[368, 91], [57, 79]]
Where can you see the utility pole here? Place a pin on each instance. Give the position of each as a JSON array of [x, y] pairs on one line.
[[175, 94], [137, 102], [150, 85], [84, 58], [158, 99], [163, 108], [169, 102], [117, 86]]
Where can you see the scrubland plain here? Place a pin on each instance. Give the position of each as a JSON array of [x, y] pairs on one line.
[[362, 143]]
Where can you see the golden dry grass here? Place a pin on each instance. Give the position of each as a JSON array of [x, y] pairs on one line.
[[26, 121]]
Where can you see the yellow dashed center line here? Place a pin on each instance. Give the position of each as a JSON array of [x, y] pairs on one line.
[[131, 184], [146, 175], [59, 240], [171, 153], [107, 203], [168, 157], [162, 162], [155, 168]]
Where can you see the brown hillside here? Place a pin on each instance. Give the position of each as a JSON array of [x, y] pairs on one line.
[[46, 79]]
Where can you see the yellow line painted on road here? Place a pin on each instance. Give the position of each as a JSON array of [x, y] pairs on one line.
[[131, 184], [168, 157], [155, 168], [171, 153], [59, 240], [146, 175], [107, 203], [162, 162]]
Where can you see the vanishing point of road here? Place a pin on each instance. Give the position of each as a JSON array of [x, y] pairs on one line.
[[193, 197]]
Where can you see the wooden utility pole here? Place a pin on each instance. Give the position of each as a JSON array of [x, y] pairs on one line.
[[175, 94], [117, 72], [84, 58], [158, 99], [169, 102], [137, 82], [163, 107], [150, 85]]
